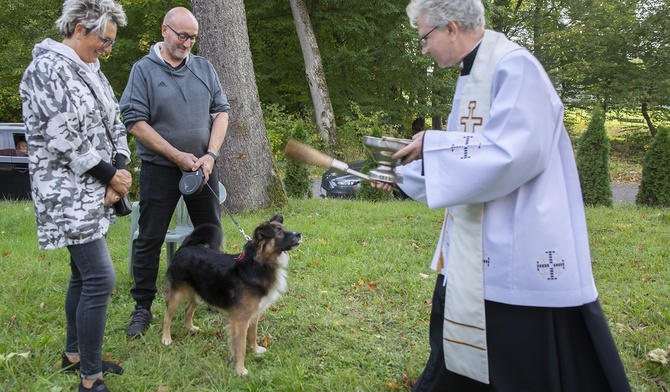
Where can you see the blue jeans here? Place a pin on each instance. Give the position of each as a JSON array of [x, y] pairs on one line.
[[159, 195], [91, 284]]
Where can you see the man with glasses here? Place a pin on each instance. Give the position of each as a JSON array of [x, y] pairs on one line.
[[175, 107], [515, 306]]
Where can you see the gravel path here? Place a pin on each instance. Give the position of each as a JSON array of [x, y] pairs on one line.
[[624, 193]]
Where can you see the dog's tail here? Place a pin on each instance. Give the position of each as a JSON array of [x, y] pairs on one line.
[[205, 234]]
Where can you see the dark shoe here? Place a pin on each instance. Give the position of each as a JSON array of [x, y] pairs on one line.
[[107, 367], [98, 386], [139, 322]]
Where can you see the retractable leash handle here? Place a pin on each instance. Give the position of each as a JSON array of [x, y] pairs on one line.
[[192, 182], [246, 237]]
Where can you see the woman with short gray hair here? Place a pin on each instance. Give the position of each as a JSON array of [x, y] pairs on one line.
[[93, 15], [73, 131]]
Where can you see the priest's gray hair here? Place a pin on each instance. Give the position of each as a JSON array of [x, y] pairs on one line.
[[467, 14], [93, 14]]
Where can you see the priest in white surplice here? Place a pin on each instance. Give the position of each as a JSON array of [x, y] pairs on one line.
[[515, 306]]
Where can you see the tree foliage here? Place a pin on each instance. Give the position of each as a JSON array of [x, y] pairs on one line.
[[370, 56], [611, 51]]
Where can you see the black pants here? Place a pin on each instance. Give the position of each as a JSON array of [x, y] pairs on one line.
[[532, 349], [159, 195]]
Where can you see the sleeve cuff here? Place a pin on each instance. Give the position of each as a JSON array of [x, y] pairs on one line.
[[103, 171]]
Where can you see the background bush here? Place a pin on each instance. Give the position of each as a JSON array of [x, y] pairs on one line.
[[655, 185], [593, 149]]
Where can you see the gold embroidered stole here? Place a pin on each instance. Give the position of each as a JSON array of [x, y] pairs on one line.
[[464, 329]]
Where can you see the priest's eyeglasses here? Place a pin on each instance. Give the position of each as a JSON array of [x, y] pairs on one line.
[[183, 36], [424, 40], [106, 42]]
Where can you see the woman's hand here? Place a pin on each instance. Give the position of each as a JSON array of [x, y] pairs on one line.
[[121, 182], [111, 196]]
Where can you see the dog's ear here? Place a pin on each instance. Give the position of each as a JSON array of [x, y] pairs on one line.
[[264, 230], [277, 218]]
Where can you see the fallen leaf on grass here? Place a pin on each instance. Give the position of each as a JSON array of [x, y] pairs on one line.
[[11, 355], [406, 381], [392, 385], [659, 355], [162, 388], [266, 341]]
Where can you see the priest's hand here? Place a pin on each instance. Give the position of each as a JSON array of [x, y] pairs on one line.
[[412, 151], [384, 186]]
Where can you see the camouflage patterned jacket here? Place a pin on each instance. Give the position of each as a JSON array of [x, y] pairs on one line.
[[65, 102]]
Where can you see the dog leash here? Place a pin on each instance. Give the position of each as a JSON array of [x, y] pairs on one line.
[[246, 237]]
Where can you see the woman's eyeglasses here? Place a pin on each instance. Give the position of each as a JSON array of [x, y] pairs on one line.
[[106, 42]]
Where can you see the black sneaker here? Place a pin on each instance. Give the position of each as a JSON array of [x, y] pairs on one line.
[[98, 386], [139, 322], [107, 367]]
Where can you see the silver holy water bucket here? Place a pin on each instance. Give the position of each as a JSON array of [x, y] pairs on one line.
[[382, 148]]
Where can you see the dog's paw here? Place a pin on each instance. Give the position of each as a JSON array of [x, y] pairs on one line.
[[242, 372], [193, 328], [260, 350], [167, 341]]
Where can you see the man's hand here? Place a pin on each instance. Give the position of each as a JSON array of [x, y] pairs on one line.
[[207, 163], [186, 161], [412, 151], [384, 186]]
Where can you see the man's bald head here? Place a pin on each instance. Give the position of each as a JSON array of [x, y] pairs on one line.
[[179, 16]]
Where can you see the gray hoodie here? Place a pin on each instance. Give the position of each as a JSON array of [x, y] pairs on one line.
[[177, 103]]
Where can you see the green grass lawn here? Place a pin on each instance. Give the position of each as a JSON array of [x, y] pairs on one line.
[[355, 316]]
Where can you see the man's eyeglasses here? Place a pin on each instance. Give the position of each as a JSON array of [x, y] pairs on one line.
[[183, 36], [424, 40], [106, 42]]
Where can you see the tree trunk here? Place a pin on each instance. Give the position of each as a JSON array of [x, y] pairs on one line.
[[647, 118], [436, 123], [245, 165], [316, 78]]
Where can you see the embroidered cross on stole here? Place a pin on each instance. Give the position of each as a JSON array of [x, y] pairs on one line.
[[464, 329]]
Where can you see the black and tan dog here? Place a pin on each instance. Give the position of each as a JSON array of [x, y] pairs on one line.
[[242, 285]]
